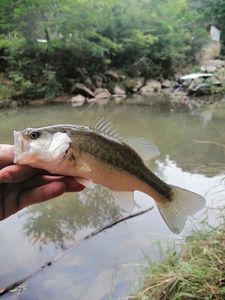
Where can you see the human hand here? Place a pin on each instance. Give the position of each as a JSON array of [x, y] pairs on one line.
[[21, 186]]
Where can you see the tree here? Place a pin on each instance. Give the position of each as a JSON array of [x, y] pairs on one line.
[[213, 12], [146, 37]]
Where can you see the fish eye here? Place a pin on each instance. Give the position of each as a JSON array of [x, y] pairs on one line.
[[34, 135]]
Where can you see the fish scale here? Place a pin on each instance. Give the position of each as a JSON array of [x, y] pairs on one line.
[[98, 155]]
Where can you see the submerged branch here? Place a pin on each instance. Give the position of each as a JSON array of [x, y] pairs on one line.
[[209, 142], [16, 284]]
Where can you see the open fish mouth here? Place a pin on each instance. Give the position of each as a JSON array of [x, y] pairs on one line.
[[17, 145], [20, 146]]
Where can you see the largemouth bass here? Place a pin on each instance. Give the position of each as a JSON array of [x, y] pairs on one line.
[[98, 155]]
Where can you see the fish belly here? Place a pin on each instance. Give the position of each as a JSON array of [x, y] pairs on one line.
[[113, 179]]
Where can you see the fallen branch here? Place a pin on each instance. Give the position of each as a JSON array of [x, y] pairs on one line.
[[16, 284], [209, 142]]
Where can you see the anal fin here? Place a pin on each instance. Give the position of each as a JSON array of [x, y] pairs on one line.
[[125, 200]]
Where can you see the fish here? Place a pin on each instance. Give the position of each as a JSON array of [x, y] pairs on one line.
[[97, 154]]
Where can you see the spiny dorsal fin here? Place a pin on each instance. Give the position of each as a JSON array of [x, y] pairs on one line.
[[144, 147], [105, 127]]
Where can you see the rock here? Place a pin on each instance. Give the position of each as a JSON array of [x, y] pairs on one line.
[[166, 84], [209, 51], [5, 104], [118, 100], [212, 65], [203, 69], [78, 100], [150, 87], [122, 76], [97, 81], [101, 93], [87, 82], [146, 90], [38, 102], [13, 104], [133, 85], [57, 100], [199, 84], [118, 91], [80, 88], [112, 74], [102, 101], [205, 87], [155, 84], [91, 100], [211, 69]]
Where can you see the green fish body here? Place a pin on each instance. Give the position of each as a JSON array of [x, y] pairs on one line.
[[98, 155]]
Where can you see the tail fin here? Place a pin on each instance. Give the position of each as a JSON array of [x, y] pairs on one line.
[[182, 205]]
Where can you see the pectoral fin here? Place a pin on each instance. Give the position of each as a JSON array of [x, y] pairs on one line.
[[82, 166], [85, 182], [125, 200]]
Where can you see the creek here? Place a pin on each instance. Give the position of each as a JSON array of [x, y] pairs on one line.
[[107, 266]]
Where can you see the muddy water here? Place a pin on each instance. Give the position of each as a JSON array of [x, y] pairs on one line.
[[107, 266]]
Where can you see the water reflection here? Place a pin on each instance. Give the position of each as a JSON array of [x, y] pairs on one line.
[[58, 221], [54, 225], [175, 133]]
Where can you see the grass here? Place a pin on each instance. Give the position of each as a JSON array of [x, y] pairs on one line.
[[197, 273]]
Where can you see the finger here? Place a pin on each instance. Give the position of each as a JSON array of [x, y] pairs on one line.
[[42, 193], [73, 185], [2, 203], [12, 198], [14, 173], [39, 180], [9, 199], [6, 155]]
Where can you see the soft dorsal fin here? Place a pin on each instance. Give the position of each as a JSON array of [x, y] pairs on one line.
[[144, 147], [105, 127]]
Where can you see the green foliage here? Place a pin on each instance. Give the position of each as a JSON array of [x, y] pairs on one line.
[[31, 74], [6, 90], [213, 12], [148, 37]]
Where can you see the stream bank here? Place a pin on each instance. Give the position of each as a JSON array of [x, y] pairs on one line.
[[191, 91]]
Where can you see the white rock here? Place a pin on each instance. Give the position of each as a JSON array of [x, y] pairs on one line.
[[134, 84], [101, 93], [211, 69], [82, 89], [77, 100], [150, 87], [166, 83], [118, 91]]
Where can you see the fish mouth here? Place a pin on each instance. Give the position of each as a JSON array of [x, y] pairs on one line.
[[20, 146]]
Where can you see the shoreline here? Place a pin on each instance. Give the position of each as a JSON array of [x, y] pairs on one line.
[[195, 271], [167, 99]]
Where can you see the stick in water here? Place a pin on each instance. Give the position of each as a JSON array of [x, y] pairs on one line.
[[15, 284]]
